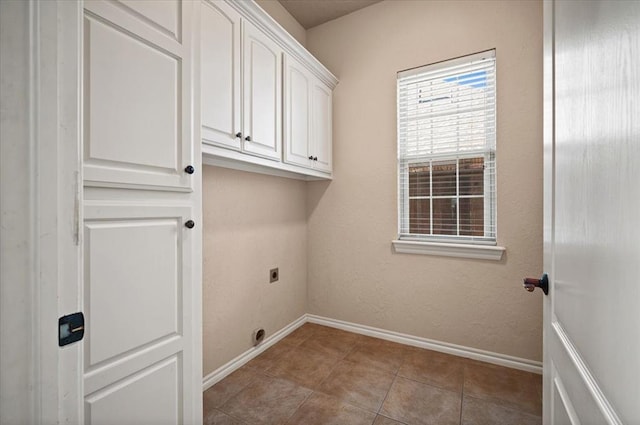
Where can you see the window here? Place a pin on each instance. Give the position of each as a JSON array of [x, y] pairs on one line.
[[446, 151]]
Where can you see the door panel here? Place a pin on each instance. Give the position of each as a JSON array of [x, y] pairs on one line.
[[297, 106], [220, 74], [322, 127], [148, 397], [141, 353], [592, 199], [137, 289], [136, 121], [165, 14], [145, 251], [262, 87]]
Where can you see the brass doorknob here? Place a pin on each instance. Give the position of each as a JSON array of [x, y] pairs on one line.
[[531, 283]]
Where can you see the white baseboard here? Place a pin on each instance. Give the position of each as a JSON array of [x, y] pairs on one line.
[[444, 347], [228, 368], [415, 341]]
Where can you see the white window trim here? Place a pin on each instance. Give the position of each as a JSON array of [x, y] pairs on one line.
[[459, 250]]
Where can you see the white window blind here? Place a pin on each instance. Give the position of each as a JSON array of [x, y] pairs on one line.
[[446, 150]]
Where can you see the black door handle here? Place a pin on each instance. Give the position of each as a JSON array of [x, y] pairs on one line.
[[531, 283]]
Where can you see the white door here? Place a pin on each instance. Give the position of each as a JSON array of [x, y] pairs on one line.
[[592, 212], [220, 74], [140, 294], [321, 127], [262, 85], [297, 113]]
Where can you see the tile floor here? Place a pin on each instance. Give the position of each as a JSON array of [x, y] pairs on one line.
[[321, 375]]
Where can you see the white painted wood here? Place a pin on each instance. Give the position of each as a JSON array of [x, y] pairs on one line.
[[148, 248], [142, 354], [253, 13], [297, 113], [321, 126], [163, 14], [137, 127], [592, 201], [149, 396], [241, 54], [226, 158], [262, 88], [480, 252], [39, 165], [221, 74], [307, 118]]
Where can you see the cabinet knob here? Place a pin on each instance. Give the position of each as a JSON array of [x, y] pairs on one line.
[[239, 135], [189, 169], [190, 224], [315, 158], [248, 138], [310, 156]]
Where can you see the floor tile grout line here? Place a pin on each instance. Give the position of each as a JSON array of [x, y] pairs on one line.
[[387, 395], [288, 420], [464, 372]]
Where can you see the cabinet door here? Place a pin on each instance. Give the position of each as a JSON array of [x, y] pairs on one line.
[[297, 113], [220, 74], [138, 347], [262, 70], [141, 357], [137, 96], [321, 127]]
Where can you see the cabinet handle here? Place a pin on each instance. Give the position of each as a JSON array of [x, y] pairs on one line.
[[239, 135], [189, 169], [248, 138], [190, 224], [311, 157]]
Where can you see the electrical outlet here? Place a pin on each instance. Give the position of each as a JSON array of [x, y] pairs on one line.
[[274, 275]]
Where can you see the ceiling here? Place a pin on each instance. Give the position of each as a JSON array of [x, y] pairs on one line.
[[310, 13]]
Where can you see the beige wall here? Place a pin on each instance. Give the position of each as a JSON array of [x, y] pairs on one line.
[[354, 274], [252, 223], [284, 18]]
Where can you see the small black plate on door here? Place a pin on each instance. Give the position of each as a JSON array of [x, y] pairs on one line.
[[70, 329]]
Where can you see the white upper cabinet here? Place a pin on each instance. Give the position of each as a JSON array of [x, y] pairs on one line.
[[321, 126], [137, 105], [297, 113], [220, 74], [237, 58], [266, 102], [307, 118], [262, 106]]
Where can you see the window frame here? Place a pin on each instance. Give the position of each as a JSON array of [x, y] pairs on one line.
[[457, 245]]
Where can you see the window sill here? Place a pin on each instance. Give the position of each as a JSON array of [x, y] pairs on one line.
[[478, 252]]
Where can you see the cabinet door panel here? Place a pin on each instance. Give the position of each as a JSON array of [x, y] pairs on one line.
[[220, 74], [262, 94], [321, 127], [163, 14], [148, 397], [297, 115], [137, 292], [135, 123]]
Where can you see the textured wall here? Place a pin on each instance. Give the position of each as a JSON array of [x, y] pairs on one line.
[[284, 18], [252, 223], [354, 274]]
